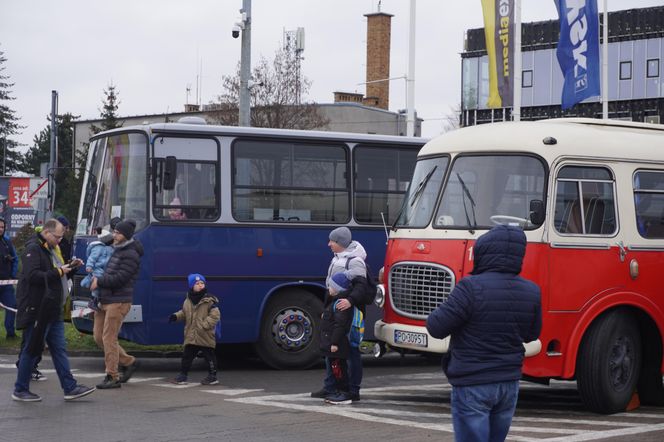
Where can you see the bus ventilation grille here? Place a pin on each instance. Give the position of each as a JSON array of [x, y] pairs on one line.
[[77, 291], [416, 289]]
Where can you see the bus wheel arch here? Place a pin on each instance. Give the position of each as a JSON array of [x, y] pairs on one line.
[[609, 361], [288, 333]]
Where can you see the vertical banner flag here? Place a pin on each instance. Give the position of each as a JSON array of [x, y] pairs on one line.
[[578, 50], [499, 36]]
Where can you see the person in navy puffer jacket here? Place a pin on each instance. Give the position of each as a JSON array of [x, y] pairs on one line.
[[489, 315]]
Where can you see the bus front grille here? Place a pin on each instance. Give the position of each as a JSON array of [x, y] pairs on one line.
[[416, 289]]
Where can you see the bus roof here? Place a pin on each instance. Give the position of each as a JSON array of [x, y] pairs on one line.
[[216, 130], [583, 137]]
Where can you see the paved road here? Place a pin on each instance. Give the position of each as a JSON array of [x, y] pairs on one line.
[[402, 398]]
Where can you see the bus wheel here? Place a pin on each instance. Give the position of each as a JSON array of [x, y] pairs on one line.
[[289, 331], [609, 362]]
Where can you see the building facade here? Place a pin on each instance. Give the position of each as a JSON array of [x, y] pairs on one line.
[[635, 72]]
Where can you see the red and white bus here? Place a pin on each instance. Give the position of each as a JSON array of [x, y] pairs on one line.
[[589, 195]]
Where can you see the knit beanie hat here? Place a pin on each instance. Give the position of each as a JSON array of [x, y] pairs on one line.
[[194, 278], [341, 236], [339, 282], [114, 222], [126, 227], [63, 220]]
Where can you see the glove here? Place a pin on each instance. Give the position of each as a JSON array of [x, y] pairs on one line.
[[172, 318]]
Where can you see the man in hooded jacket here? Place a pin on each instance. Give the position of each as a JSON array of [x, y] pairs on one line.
[[489, 315]]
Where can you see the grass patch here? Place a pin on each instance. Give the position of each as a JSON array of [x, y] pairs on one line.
[[77, 341]]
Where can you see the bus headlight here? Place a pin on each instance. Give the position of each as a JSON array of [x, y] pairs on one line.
[[379, 300]]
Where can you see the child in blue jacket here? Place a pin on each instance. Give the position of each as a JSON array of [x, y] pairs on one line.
[[98, 252]]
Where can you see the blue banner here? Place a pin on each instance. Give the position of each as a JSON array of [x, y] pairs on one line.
[[578, 50]]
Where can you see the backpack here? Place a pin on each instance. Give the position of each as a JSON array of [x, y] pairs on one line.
[[372, 281], [356, 332]]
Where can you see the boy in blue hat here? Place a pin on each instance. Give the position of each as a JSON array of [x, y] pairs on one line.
[[334, 343], [200, 312]]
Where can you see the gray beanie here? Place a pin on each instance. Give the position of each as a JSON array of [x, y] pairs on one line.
[[341, 236]]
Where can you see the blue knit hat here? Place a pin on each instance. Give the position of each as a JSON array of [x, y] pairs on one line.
[[339, 282], [63, 220], [194, 278]]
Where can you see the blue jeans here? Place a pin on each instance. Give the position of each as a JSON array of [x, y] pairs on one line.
[[354, 372], [483, 412], [8, 298], [55, 339]]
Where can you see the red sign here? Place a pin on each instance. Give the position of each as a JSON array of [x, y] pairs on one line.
[[19, 192]]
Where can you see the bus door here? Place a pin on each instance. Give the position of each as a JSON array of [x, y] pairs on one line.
[[587, 247]]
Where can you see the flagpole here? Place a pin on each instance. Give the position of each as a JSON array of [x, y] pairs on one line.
[[516, 111], [605, 63]]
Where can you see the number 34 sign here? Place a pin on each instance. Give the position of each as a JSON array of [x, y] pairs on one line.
[[19, 192]]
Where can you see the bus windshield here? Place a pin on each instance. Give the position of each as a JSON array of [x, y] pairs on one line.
[[422, 194], [116, 184], [486, 190]]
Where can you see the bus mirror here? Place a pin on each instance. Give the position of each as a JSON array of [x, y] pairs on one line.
[[537, 212], [170, 173]]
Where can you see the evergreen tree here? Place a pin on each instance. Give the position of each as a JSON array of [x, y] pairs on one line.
[[108, 111], [9, 125]]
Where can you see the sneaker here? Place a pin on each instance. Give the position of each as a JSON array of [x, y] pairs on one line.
[[179, 379], [322, 393], [37, 376], [25, 396], [210, 379], [341, 398], [355, 397], [128, 371], [79, 391], [109, 382]]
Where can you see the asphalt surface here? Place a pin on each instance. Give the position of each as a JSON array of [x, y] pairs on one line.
[[402, 399]]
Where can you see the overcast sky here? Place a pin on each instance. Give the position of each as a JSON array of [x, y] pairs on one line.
[[151, 50]]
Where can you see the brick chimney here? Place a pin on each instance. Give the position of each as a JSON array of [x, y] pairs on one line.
[[379, 29]]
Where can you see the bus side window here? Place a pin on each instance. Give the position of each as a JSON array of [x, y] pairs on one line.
[[649, 203]]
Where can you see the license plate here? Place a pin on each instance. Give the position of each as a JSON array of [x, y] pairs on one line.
[[410, 338]]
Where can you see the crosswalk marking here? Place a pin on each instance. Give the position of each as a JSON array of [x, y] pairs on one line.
[[169, 385], [382, 405], [232, 391]]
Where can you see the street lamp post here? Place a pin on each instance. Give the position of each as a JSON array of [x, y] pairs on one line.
[[245, 65]]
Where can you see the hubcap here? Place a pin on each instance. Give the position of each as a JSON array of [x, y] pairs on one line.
[[621, 362], [292, 329]]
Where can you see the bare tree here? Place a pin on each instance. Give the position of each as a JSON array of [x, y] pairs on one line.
[[275, 91]]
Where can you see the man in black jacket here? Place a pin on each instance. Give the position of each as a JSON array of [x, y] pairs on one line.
[[489, 316], [116, 289], [8, 268], [42, 289]]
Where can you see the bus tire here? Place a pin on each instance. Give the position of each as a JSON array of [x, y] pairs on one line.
[[609, 362], [289, 331]]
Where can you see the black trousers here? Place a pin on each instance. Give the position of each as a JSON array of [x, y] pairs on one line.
[[339, 369], [190, 352]]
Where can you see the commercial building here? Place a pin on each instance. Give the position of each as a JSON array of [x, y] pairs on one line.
[[635, 72]]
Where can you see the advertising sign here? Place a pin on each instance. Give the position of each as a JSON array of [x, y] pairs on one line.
[[17, 196]]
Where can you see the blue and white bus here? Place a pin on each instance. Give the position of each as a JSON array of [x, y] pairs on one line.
[[249, 208]]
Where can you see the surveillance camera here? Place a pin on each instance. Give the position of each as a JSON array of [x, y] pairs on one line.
[[236, 31]]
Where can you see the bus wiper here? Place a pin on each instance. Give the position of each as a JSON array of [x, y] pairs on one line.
[[415, 196], [466, 193]]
